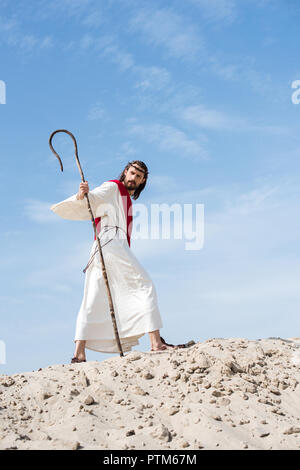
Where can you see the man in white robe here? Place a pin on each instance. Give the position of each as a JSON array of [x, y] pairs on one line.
[[133, 292]]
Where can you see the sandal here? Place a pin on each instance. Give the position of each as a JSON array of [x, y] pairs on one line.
[[167, 344], [75, 360], [185, 345]]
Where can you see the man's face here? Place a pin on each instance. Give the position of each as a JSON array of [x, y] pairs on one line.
[[133, 178]]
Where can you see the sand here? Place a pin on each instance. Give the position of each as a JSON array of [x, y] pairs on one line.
[[229, 393]]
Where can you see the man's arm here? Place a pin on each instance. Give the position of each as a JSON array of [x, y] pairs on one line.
[[76, 208]]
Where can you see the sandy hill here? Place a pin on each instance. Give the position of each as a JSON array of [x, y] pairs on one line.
[[220, 394]]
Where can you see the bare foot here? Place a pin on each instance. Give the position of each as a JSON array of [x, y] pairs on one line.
[[80, 357]]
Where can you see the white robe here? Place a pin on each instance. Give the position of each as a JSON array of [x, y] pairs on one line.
[[133, 292]]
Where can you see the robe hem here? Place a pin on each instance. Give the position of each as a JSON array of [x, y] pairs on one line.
[[110, 352], [145, 331]]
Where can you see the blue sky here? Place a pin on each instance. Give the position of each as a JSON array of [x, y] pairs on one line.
[[201, 91]]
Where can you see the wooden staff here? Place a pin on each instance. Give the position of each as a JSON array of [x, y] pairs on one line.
[[111, 307]]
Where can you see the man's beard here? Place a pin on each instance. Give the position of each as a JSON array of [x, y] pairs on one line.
[[131, 185]]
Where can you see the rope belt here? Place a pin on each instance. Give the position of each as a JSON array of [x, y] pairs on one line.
[[108, 227]]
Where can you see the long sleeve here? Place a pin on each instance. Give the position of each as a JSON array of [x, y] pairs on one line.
[[75, 209]]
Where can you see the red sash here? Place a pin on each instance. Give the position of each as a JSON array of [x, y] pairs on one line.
[[127, 205]]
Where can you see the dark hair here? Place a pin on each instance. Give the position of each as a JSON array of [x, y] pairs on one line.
[[142, 168]]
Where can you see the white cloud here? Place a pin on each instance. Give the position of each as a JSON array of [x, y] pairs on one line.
[[148, 77], [253, 201], [86, 41], [93, 19], [118, 56], [246, 73], [13, 35], [39, 211], [169, 138], [106, 46], [164, 182], [207, 118], [216, 10], [128, 149], [169, 30], [152, 78], [72, 8], [46, 43], [96, 112]]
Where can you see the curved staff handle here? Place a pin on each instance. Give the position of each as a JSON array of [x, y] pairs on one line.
[[111, 307], [76, 151]]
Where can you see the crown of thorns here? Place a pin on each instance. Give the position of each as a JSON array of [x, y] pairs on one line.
[[146, 172]]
